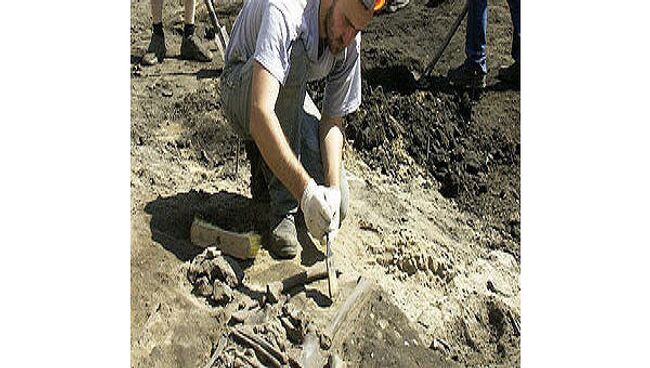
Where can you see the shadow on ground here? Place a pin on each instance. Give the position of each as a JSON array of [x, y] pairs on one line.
[[171, 219]]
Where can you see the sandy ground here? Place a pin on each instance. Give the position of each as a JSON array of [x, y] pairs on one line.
[[446, 269]]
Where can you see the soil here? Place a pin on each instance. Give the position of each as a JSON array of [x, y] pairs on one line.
[[434, 211]]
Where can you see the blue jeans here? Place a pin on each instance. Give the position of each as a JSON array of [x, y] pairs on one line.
[[475, 39]]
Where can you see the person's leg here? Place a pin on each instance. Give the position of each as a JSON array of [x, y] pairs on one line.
[[288, 109], [511, 74], [516, 31], [156, 11], [191, 47], [310, 155], [156, 50], [235, 99], [190, 9], [476, 35], [472, 72]]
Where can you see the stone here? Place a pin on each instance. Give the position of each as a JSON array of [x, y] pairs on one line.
[[212, 252], [407, 265], [422, 263], [226, 269], [382, 323], [222, 293], [440, 345], [196, 269], [202, 287]]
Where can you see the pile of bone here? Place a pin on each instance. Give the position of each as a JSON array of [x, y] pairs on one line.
[[214, 276], [283, 337], [263, 332]]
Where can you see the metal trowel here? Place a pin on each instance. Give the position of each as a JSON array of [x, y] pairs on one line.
[[331, 276]]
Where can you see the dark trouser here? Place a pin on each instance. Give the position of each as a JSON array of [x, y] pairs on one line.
[[475, 38]]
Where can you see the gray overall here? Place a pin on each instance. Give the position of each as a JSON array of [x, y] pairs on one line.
[[299, 118]]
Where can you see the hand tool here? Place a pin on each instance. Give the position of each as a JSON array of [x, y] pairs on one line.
[[427, 71], [331, 277], [222, 37], [310, 274]]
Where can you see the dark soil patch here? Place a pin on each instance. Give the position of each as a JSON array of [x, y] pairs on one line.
[[468, 141]]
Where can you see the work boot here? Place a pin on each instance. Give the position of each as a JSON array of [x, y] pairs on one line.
[[192, 49], [283, 242], [510, 74], [467, 75], [156, 51]]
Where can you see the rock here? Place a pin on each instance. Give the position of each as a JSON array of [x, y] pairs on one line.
[[241, 316], [204, 157], [196, 269], [491, 287], [440, 345], [226, 269], [382, 323], [293, 332], [385, 259], [422, 263], [211, 252], [432, 264], [473, 164], [515, 323], [202, 287], [335, 362], [407, 264], [222, 293], [482, 183], [238, 317], [183, 143]]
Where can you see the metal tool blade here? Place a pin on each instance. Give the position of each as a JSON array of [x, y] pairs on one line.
[[330, 275]]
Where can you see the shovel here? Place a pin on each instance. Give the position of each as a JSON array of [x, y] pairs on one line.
[[222, 37], [420, 79]]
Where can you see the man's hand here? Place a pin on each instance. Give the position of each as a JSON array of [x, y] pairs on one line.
[[316, 208]]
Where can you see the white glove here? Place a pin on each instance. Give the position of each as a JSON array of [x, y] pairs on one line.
[[318, 215], [333, 198]]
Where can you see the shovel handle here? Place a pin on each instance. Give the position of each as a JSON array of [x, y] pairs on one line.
[[444, 45]]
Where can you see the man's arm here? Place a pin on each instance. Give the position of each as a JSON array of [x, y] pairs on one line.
[[267, 133], [331, 143]]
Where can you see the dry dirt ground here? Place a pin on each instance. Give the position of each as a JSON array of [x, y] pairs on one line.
[[437, 233]]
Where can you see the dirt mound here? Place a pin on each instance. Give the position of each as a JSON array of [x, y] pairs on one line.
[[468, 141]]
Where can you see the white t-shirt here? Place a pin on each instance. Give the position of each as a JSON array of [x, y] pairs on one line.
[[268, 29]]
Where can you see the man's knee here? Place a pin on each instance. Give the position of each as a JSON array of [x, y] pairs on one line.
[[234, 93]]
